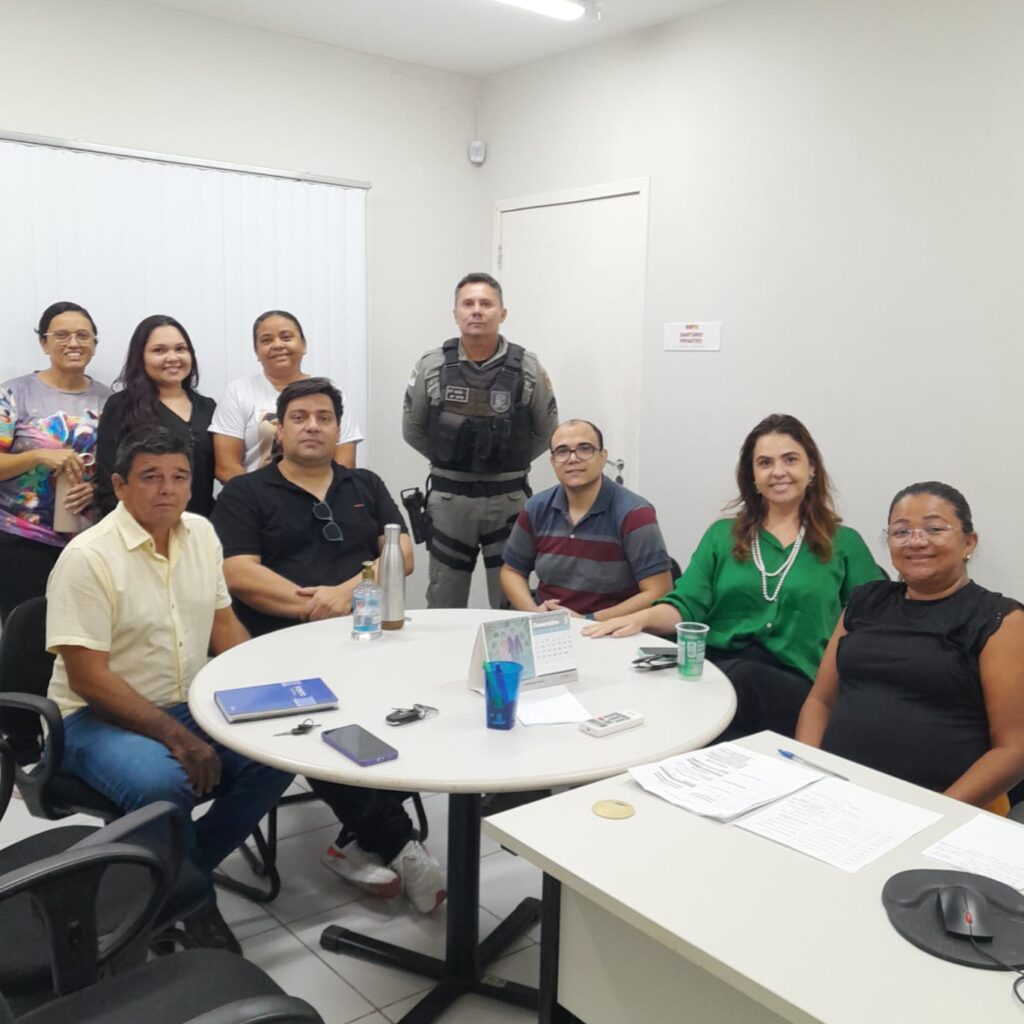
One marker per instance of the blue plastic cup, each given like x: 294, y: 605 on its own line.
x: 501, y: 688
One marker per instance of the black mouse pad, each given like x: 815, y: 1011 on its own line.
x: 912, y: 903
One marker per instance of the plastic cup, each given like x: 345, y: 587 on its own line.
x: 501, y: 688
x: 691, y: 638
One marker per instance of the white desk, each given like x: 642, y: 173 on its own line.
x: 667, y: 916
x: 428, y: 661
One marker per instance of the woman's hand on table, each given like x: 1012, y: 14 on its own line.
x: 623, y: 625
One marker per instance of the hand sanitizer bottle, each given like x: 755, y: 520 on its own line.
x: 366, y: 610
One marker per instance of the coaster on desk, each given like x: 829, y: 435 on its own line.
x: 615, y: 809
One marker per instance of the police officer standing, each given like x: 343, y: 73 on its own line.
x: 481, y: 409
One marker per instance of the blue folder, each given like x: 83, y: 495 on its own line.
x: 270, y: 700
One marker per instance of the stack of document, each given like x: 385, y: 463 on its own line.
x: 987, y: 846
x: 840, y: 823
x: 837, y: 822
x: 724, y: 781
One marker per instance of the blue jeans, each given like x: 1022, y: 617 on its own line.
x: 133, y: 770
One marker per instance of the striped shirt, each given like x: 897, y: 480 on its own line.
x: 596, y: 563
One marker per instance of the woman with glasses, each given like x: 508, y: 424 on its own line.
x: 47, y: 436
x: 770, y: 582
x: 158, y: 387
x: 245, y: 422
x: 924, y: 678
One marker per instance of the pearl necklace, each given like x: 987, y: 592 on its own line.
x: 783, y: 569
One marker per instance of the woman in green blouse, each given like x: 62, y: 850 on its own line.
x: 769, y: 583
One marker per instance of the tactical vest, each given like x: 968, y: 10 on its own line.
x: 480, y: 424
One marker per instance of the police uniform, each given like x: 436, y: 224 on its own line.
x: 480, y: 425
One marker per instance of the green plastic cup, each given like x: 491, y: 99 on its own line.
x: 691, y: 638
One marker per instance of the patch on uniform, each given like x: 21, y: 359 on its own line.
x: 501, y: 401
x: 546, y: 380
x: 454, y: 394
x: 412, y: 377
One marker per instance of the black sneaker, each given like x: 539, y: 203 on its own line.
x: 208, y: 930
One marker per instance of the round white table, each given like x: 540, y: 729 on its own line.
x: 428, y: 662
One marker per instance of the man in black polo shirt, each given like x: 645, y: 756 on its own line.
x: 295, y: 535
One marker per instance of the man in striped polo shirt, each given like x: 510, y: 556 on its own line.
x: 596, y: 547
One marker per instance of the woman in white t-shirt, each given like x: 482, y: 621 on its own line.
x: 244, y: 424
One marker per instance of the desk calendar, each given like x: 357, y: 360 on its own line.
x: 542, y: 643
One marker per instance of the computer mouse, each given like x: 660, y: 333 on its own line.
x: 965, y: 911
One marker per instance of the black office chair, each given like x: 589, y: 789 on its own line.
x: 25, y: 973
x: 96, y: 974
x: 25, y: 668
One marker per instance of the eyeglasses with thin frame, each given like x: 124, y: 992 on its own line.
x: 584, y: 452
x: 900, y: 536
x: 63, y: 337
x: 331, y: 531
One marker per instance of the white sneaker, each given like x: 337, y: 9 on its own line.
x: 365, y: 870
x: 422, y: 877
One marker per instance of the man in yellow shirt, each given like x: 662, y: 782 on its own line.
x: 133, y: 607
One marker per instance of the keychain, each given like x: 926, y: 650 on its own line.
x: 306, y: 725
x: 403, y: 716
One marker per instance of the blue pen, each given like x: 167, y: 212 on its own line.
x: 790, y: 756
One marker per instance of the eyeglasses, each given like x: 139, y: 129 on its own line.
x: 900, y: 536
x: 63, y: 337
x: 332, y: 531
x: 584, y: 452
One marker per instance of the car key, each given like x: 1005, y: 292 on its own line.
x: 305, y: 726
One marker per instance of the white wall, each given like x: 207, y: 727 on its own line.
x: 839, y: 182
x: 140, y: 77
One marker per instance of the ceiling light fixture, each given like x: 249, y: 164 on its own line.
x: 564, y: 10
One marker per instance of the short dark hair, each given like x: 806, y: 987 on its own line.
x: 305, y: 388
x: 62, y: 307
x: 275, y: 312
x: 593, y: 426
x: 149, y: 440
x: 943, y: 491
x: 479, y: 277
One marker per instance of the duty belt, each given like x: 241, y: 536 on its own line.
x: 477, y: 488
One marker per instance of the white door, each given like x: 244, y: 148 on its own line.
x: 573, y: 267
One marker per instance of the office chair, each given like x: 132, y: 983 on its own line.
x: 25, y: 973
x: 25, y: 668
x: 94, y: 954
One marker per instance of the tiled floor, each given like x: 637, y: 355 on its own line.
x: 283, y: 937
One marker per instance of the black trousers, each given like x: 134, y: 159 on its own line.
x: 26, y: 568
x: 375, y: 818
x: 769, y: 695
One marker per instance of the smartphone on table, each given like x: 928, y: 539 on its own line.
x: 359, y: 745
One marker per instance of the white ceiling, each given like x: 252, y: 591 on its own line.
x: 473, y: 37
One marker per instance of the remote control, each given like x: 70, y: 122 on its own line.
x: 615, y: 722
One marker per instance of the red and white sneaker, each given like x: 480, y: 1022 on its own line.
x: 422, y: 877
x: 362, y: 869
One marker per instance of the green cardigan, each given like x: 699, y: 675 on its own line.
x: 726, y: 594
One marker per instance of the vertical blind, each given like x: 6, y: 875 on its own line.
x: 128, y: 237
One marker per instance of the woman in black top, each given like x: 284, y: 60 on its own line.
x: 924, y: 678
x: 158, y: 381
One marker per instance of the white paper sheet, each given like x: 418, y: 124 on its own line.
x: 987, y: 846
x: 723, y: 781
x: 839, y: 823
x: 553, y: 705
